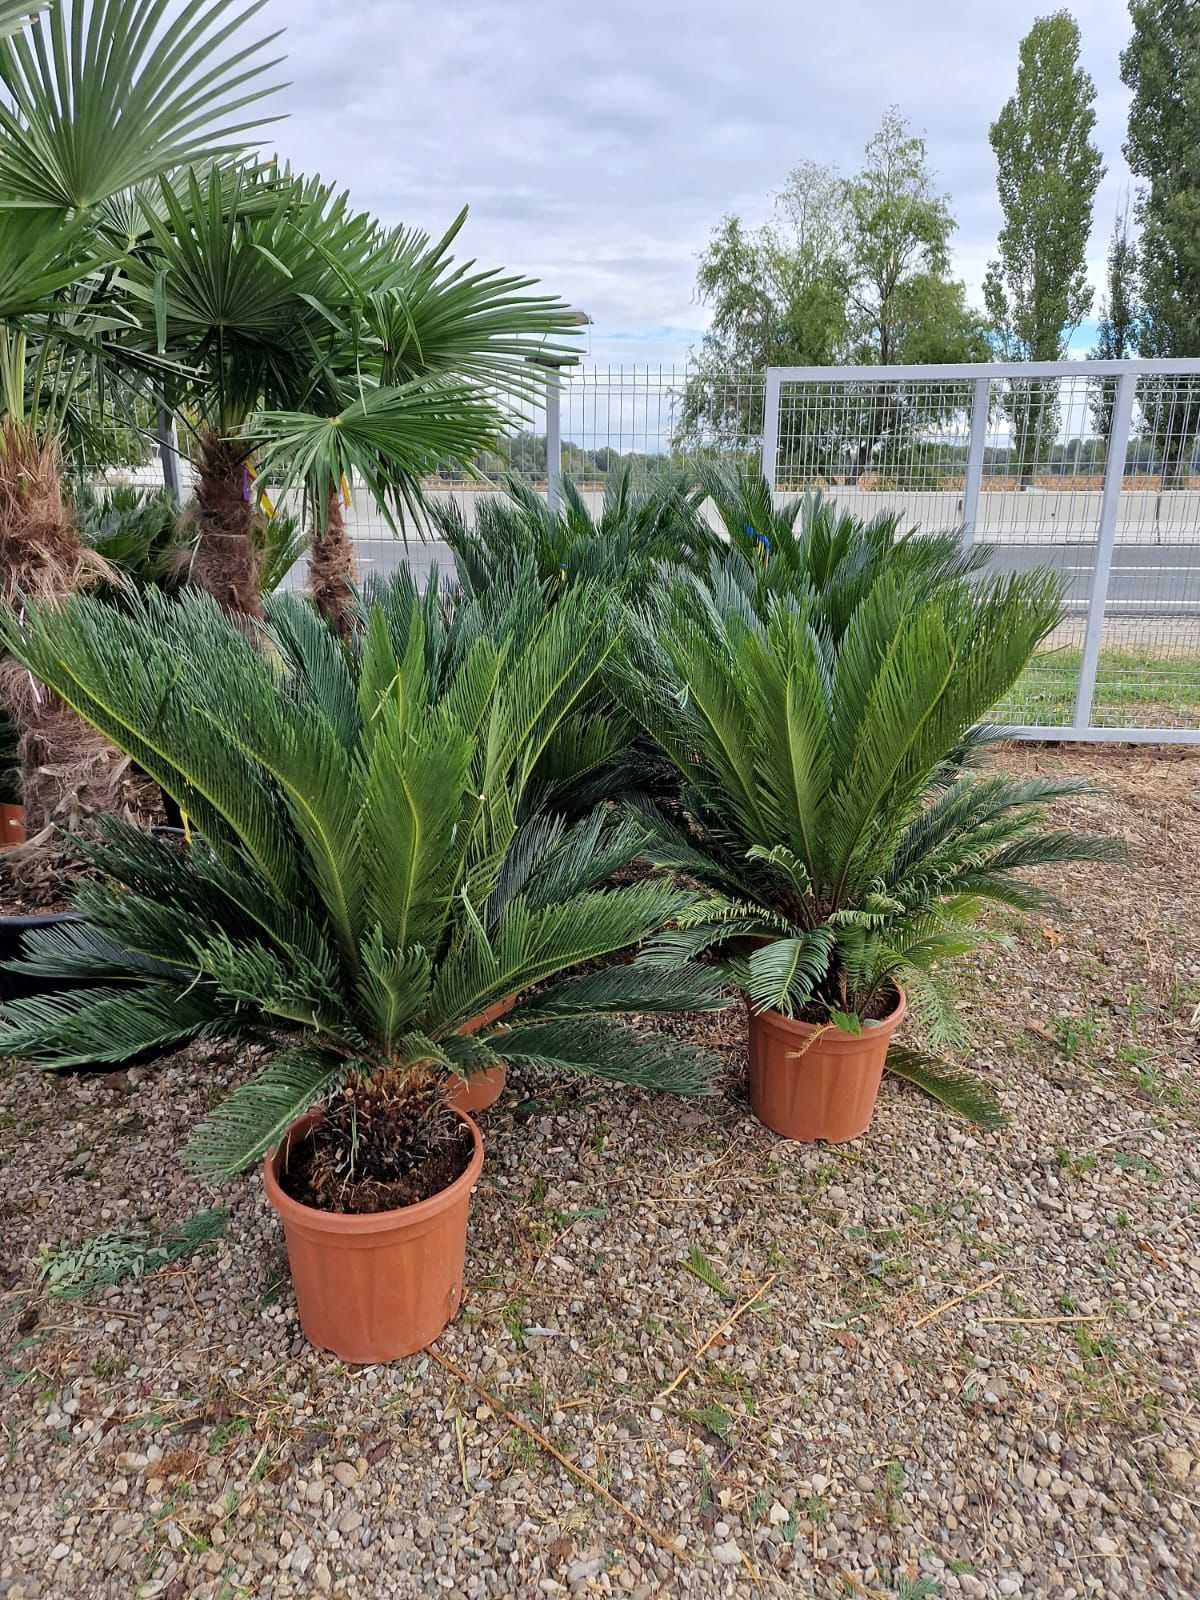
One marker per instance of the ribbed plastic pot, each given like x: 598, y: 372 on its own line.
x: 809, y: 1082
x: 12, y: 825
x: 379, y: 1286
x: 481, y: 1090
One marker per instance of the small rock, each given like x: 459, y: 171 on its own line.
x: 60, y: 1551
x: 1179, y: 1465
x: 1104, y: 1545
x: 324, y: 1577
x: 729, y: 1555
x: 777, y: 1515
x: 677, y: 1458
x: 581, y: 1571
x: 345, y: 1474
x: 349, y: 1521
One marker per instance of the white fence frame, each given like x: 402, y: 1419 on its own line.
x: 983, y: 374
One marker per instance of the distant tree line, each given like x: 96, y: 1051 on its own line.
x: 857, y: 271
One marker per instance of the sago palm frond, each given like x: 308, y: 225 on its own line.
x: 359, y: 885
x: 953, y: 1088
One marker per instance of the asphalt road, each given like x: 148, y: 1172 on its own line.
x: 1146, y: 580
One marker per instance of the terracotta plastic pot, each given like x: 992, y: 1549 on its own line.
x: 809, y: 1082
x: 382, y: 1285
x: 12, y: 825
x: 481, y: 1090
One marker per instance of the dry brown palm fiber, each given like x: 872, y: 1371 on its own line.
x: 331, y: 571
x: 224, y: 561
x: 41, y: 554
x: 69, y: 772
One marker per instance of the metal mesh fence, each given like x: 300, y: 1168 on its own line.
x: 1019, y: 459
x: 1022, y: 461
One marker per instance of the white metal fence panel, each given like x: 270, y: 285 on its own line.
x: 1086, y: 467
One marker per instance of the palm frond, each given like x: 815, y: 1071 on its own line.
x: 105, y: 94
x: 256, y: 1116
x: 958, y: 1091
x: 605, y: 1049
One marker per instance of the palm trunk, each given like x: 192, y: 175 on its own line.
x: 225, y: 561
x: 68, y: 772
x: 331, y: 569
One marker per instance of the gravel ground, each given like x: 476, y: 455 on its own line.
x: 971, y: 1368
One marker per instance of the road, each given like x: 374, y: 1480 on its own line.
x: 1147, y: 580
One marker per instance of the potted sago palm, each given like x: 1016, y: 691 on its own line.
x: 356, y: 897
x: 830, y: 811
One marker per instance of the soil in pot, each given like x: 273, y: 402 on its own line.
x: 376, y: 1284
x: 811, y: 1081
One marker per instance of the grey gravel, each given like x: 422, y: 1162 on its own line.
x: 839, y: 1439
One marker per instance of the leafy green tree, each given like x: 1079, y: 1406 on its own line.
x: 846, y: 271
x: 1161, y: 66
x: 1048, y: 170
x: 779, y: 297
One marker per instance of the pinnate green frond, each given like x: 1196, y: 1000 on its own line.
x: 79, y: 1026
x: 635, y: 986
x: 604, y: 1049
x: 957, y: 1090
x: 256, y: 1116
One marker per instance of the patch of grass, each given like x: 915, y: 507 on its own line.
x: 1134, y: 1161
x: 715, y: 1419
x: 1072, y: 1035
x: 1045, y: 691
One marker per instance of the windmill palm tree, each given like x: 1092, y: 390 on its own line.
x: 361, y: 888
x: 97, y: 98
x: 324, y: 349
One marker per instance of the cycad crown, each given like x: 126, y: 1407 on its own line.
x: 360, y: 887
x: 827, y: 809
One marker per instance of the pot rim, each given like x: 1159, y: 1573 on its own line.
x: 359, y: 1223
x: 830, y: 1032
x: 489, y: 1014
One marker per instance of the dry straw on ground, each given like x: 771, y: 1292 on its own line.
x: 974, y: 1362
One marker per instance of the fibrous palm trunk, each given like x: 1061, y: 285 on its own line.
x: 331, y: 570
x: 225, y: 560
x: 67, y: 770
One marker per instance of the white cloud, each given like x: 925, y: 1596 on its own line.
x: 598, y: 147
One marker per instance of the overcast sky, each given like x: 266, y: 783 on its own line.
x: 598, y: 144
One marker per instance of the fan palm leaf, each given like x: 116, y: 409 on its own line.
x: 105, y: 94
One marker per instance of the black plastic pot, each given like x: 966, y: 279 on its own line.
x: 16, y: 985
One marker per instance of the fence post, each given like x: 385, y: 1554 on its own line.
x: 770, y: 438
x: 553, y: 437
x: 981, y: 399
x: 1114, y: 470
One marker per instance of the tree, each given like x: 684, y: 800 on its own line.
x: 1161, y: 66
x: 903, y: 308
x: 779, y: 298
x: 1048, y: 169
x: 846, y: 271
x: 1117, y: 333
